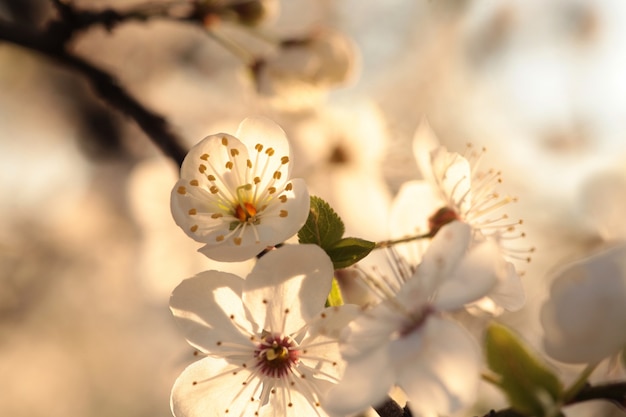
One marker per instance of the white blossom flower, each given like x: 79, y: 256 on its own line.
x: 455, y: 188
x: 271, y: 347
x: 302, y: 70
x: 235, y: 194
x: 408, y: 340
x: 585, y: 316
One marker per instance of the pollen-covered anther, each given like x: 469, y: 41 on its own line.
x: 211, y: 177
x: 283, y: 198
x: 229, y: 165
x: 219, y: 238
x: 284, y: 160
x: 271, y: 190
x: 283, y: 213
x: 194, y: 228
x: 258, y: 147
x: 194, y: 183
x: 269, y: 151
x: 245, y: 212
x: 249, y: 163
x: 204, y: 156
x: 277, y: 175
x: 214, y: 189
x: 181, y: 190
x: 202, y: 168
x: 216, y: 215
x: 257, y: 180
x: 237, y: 241
x: 224, y: 141
x: 234, y: 152
x: 289, y: 187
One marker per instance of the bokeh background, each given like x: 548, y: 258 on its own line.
x: 88, y: 250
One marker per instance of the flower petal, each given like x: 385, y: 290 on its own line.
x: 203, y: 307
x: 283, y: 220
x: 209, y: 387
x: 366, y: 381
x: 585, y: 316
x: 257, y: 130
x: 288, y: 286
x: 438, y: 263
x: 478, y: 273
x: 438, y: 367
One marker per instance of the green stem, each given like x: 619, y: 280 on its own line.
x: 388, y: 243
x: 579, y: 384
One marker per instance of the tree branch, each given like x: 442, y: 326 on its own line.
x: 105, y: 85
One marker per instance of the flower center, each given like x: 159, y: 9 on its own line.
x: 245, y: 212
x: 440, y: 218
x: 276, y: 355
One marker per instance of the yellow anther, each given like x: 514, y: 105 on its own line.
x: 204, y: 156
x: 181, y: 190
x: 289, y: 187
x: 257, y: 180
x: 229, y: 165
x: 194, y: 228
x: 192, y: 212
x: 269, y: 151
x: 202, y: 168
x: 219, y: 238
x: 284, y: 160
x: 214, y: 189
x: 237, y: 241
x: 258, y: 147
x: 211, y: 177
x: 271, y: 190
x: 234, y: 152
x: 277, y: 175
x: 249, y: 163
x: 216, y: 215
x: 195, y: 183
x: 224, y: 141
x: 283, y: 213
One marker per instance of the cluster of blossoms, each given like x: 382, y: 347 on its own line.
x: 274, y: 345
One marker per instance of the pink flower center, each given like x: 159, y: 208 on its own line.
x: 276, y: 355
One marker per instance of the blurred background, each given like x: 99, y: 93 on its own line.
x: 89, y: 252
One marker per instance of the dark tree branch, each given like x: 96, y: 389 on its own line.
x: 105, y: 85
x: 390, y: 408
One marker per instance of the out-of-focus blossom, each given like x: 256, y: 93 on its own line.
x: 271, y: 347
x: 406, y: 340
x: 603, y: 202
x: 455, y: 188
x: 302, y: 70
x: 584, y: 319
x: 235, y: 193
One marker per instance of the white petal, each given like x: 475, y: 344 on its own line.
x: 288, y: 287
x: 424, y: 142
x: 333, y: 320
x: 585, y: 317
x: 438, y: 263
x: 365, y: 382
x: 203, y: 305
x: 438, y: 367
x: 414, y: 204
x: 475, y: 277
x: 228, y: 251
x: 261, y: 130
x: 370, y: 330
x: 275, y: 228
x: 214, y: 153
x: 218, y: 387
x: 509, y: 293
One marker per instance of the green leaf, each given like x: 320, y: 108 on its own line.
x: 348, y: 251
x: 530, y: 386
x: 334, y: 297
x: 323, y: 226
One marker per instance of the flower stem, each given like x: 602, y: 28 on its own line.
x: 579, y: 384
x: 388, y: 243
